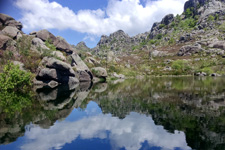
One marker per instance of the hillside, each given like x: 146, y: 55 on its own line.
x: 186, y: 44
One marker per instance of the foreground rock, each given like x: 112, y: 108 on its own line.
x: 52, y: 69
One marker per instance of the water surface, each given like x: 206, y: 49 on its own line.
x: 177, y: 113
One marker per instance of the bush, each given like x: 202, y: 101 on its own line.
x: 14, y: 79
x: 161, y: 26
x: 49, y: 45
x: 188, y: 23
x: 24, y: 45
x: 181, y: 66
x: 159, y: 36
x: 189, y: 12
x: 211, y: 18
x: 207, y: 70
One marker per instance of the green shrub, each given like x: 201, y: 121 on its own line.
x: 159, y: 36
x: 14, y: 79
x: 161, y: 26
x: 172, y: 41
x: 24, y: 45
x: 181, y: 66
x: 152, y: 41
x: 189, y: 12
x: 211, y: 18
x: 207, y: 70
x: 188, y: 23
x: 50, y: 46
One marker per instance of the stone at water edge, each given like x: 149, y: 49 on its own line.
x: 99, y: 72
x: 120, y: 76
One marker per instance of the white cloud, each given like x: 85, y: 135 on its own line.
x: 128, y: 15
x: 128, y: 133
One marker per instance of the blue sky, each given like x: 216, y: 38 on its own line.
x: 87, y: 20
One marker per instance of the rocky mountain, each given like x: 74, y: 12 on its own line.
x: 119, y: 42
x: 81, y: 46
x: 201, y: 19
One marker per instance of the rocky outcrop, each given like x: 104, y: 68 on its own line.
x: 5, y: 42
x: 82, y: 69
x: 11, y: 31
x: 116, y: 42
x: 190, y: 49
x: 204, y: 7
x: 6, y: 20
x: 52, y: 69
x: 61, y: 44
x: 45, y: 35
x: 81, y: 46
x: 38, y: 45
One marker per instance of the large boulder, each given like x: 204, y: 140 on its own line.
x: 10, y: 31
x: 6, y: 20
x: 4, y: 41
x: 59, y: 65
x: 14, y: 23
x: 61, y: 44
x: 45, y: 35
x: 82, y: 69
x: 52, y: 69
x: 59, y: 55
x: 38, y: 45
x: 48, y: 74
x: 84, y: 76
x: 78, y: 63
x: 99, y: 72
x: 190, y: 49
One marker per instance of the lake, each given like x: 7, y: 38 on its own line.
x: 160, y: 113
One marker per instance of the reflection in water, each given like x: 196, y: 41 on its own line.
x: 129, y: 133
x: 183, y: 112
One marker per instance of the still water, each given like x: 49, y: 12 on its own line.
x: 177, y: 113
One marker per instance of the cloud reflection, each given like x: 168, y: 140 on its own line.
x: 129, y: 133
